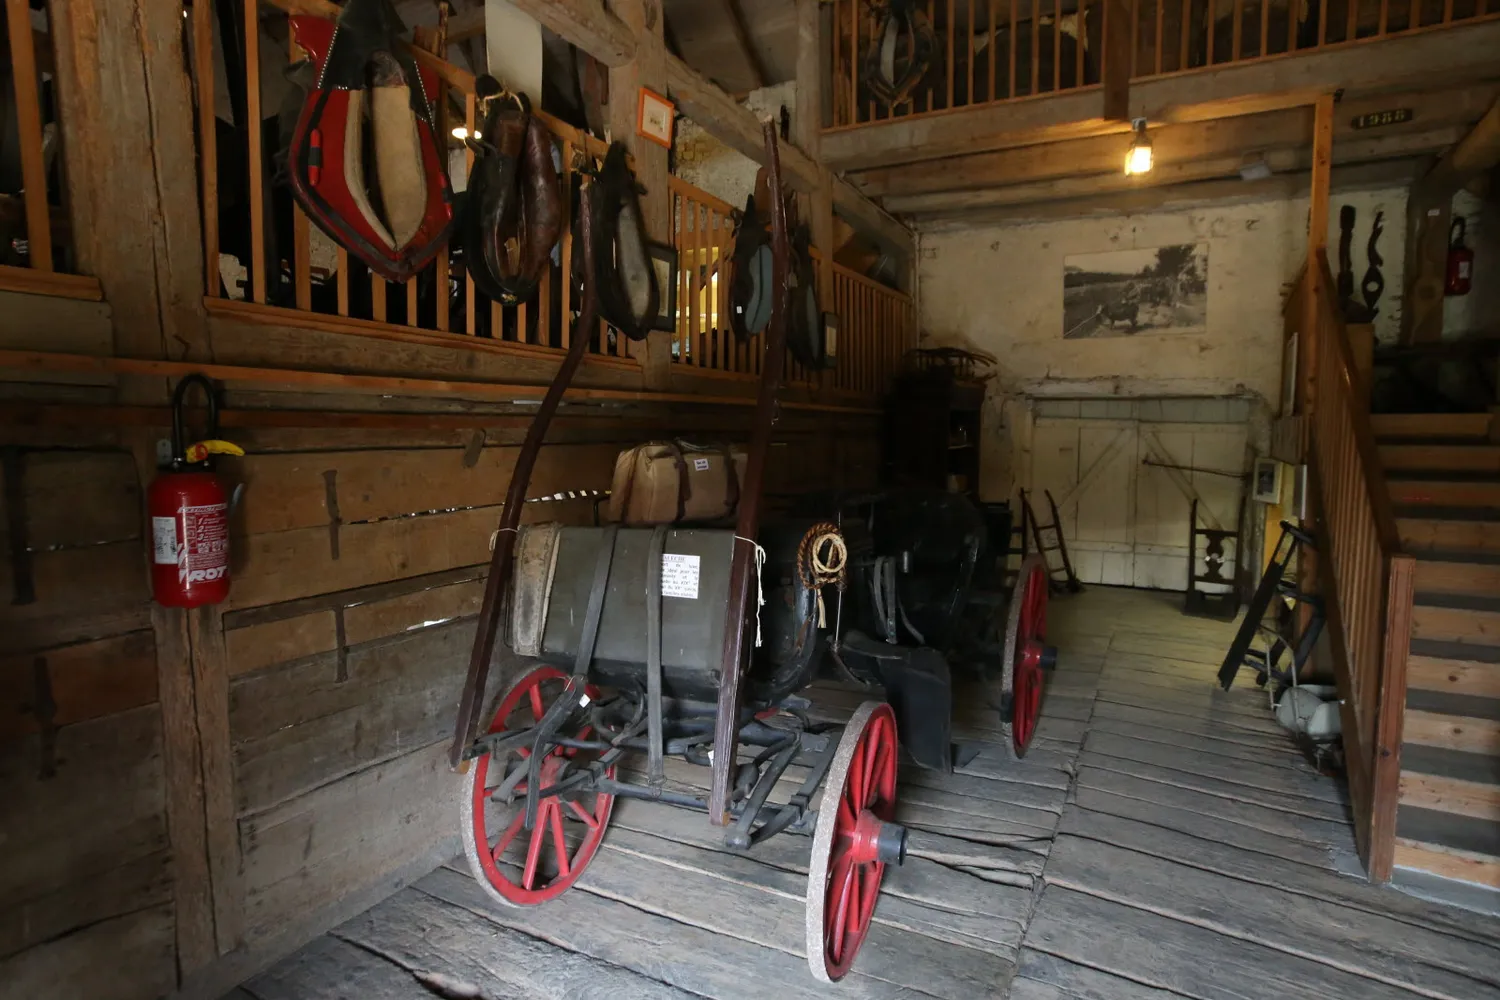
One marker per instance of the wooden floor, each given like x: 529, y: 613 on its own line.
x: 1162, y: 839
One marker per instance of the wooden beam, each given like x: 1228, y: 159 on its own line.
x: 1454, y: 55
x: 1179, y: 167
x: 731, y: 11
x: 1470, y: 157
x: 1179, y: 197
x: 1433, y: 111
x: 587, y: 25
x: 466, y: 25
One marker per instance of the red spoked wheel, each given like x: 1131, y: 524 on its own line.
x: 853, y: 841
x: 1026, y: 656
x: 515, y: 866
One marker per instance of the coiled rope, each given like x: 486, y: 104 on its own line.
x: 823, y: 559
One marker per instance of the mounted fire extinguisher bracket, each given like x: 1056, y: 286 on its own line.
x: 1460, y: 276
x: 190, y: 513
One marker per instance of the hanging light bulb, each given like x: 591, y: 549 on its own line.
x: 1138, y: 156
x: 461, y: 133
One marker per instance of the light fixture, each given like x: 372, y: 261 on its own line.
x: 461, y: 133
x: 1138, y: 157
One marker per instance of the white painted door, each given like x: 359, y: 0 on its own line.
x: 1124, y: 490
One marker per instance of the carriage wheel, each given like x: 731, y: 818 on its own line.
x: 1026, y: 655
x: 853, y: 841
x: 517, y: 867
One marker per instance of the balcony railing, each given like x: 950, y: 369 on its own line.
x: 265, y: 260
x: 991, y: 51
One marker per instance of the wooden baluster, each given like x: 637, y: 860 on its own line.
x: 377, y: 298
x: 1015, y: 6
x: 565, y: 256
x: 1161, y: 19
x: 1385, y: 15
x: 1322, y: 22
x: 1236, y: 41
x: 208, y: 146
x: 854, y: 61
x: 471, y: 308
x: 969, y: 52
x: 1080, y: 20
x: 950, y: 29
x: 442, y: 266
x: 343, y: 281
x: 679, y: 335
x: 252, y: 126
x: 1209, y: 11
x: 1056, y: 45
x: 1291, y: 24
x: 1447, y: 11
x: 409, y: 290
x: 1036, y: 47
x: 301, y: 227
x: 1263, y: 43
x: 989, y: 45
x: 720, y: 288
x: 28, y: 119
x: 1187, y: 22
x: 1351, y: 28
x: 1135, y: 38
x: 695, y: 287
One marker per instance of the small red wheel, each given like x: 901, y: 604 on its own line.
x: 843, y: 881
x: 515, y: 867
x: 1025, y: 655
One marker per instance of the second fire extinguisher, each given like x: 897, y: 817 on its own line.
x: 189, y: 511
x: 1460, y: 276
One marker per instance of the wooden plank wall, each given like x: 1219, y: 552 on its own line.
x: 86, y: 881
x: 314, y: 705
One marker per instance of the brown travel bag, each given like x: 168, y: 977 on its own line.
x: 673, y: 482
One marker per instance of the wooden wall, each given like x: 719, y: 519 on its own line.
x: 319, y: 698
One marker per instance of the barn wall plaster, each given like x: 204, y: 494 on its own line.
x: 999, y: 289
x: 726, y: 173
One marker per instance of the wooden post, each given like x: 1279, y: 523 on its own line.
x: 1385, y: 784
x: 808, y: 123
x: 1317, y: 242
x: 647, y: 69
x: 29, y: 131
x: 1118, y: 24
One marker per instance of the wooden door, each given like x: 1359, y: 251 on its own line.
x: 1180, y: 463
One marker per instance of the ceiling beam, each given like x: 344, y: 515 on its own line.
x: 1293, y: 158
x: 1430, y: 111
x: 731, y: 11
x: 587, y: 25
x: 1469, y: 159
x: 1178, y: 197
x: 1454, y: 55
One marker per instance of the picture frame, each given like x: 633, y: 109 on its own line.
x: 664, y: 266
x: 655, y: 118
x: 1265, y: 481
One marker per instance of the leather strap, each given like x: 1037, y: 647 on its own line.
x: 684, y: 489
x: 595, y: 610
x: 655, y: 762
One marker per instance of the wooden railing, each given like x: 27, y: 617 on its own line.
x: 877, y: 324
x: 999, y: 50
x: 1362, y: 573
x: 36, y: 246
x: 292, y: 275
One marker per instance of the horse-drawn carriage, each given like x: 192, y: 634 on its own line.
x: 694, y: 643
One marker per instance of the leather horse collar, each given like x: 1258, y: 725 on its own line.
x: 512, y: 214
x: 396, y: 220
x: 752, y: 293
x: 899, y: 17
x: 628, y: 296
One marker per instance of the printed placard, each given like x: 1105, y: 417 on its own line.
x: 679, y: 575
x: 700, y: 464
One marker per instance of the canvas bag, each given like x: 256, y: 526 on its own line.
x: 671, y: 482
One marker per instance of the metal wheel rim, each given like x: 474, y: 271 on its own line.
x: 1026, y: 619
x: 867, y: 747
x: 556, y: 819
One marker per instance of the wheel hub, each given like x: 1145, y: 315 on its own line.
x: 876, y: 840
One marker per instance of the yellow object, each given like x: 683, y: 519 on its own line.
x: 1138, y: 157
x: 200, y: 450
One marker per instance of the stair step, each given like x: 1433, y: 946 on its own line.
x: 1467, y: 866
x: 1449, y: 529
x: 1449, y: 573
x: 1429, y: 457
x: 1431, y: 425
x: 1451, y: 732
x: 1448, y: 624
x: 1440, y: 793
x: 1465, y: 678
x: 1445, y: 490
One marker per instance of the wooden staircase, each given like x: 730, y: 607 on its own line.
x: 1444, y: 476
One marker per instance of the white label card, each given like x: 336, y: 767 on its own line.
x: 700, y: 464
x: 679, y: 575
x: 164, y: 540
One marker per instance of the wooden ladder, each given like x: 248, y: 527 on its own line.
x: 1069, y: 579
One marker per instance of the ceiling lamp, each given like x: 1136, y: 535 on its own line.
x: 1138, y: 157
x: 461, y: 133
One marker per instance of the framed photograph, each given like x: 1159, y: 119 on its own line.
x: 656, y: 117
x: 1126, y: 293
x: 1265, y: 484
x: 664, y: 265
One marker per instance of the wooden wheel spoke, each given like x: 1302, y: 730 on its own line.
x: 588, y: 818
x: 537, y: 710
x: 840, y: 905
x: 533, y: 852
x: 508, y: 836
x: 559, y: 844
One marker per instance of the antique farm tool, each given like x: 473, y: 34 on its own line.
x: 393, y: 212
x: 901, y: 26
x: 502, y: 559
x: 1059, y: 544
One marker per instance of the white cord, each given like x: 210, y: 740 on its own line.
x: 760, y: 596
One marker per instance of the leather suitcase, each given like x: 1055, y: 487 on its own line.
x: 673, y: 482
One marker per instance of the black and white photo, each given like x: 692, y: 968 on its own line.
x: 1122, y: 293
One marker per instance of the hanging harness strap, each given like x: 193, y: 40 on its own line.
x: 655, y: 764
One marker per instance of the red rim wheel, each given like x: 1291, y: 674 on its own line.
x: 515, y: 866
x: 1024, y: 654
x: 843, y: 882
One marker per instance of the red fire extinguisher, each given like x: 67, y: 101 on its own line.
x: 190, y: 514
x: 1460, y: 261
